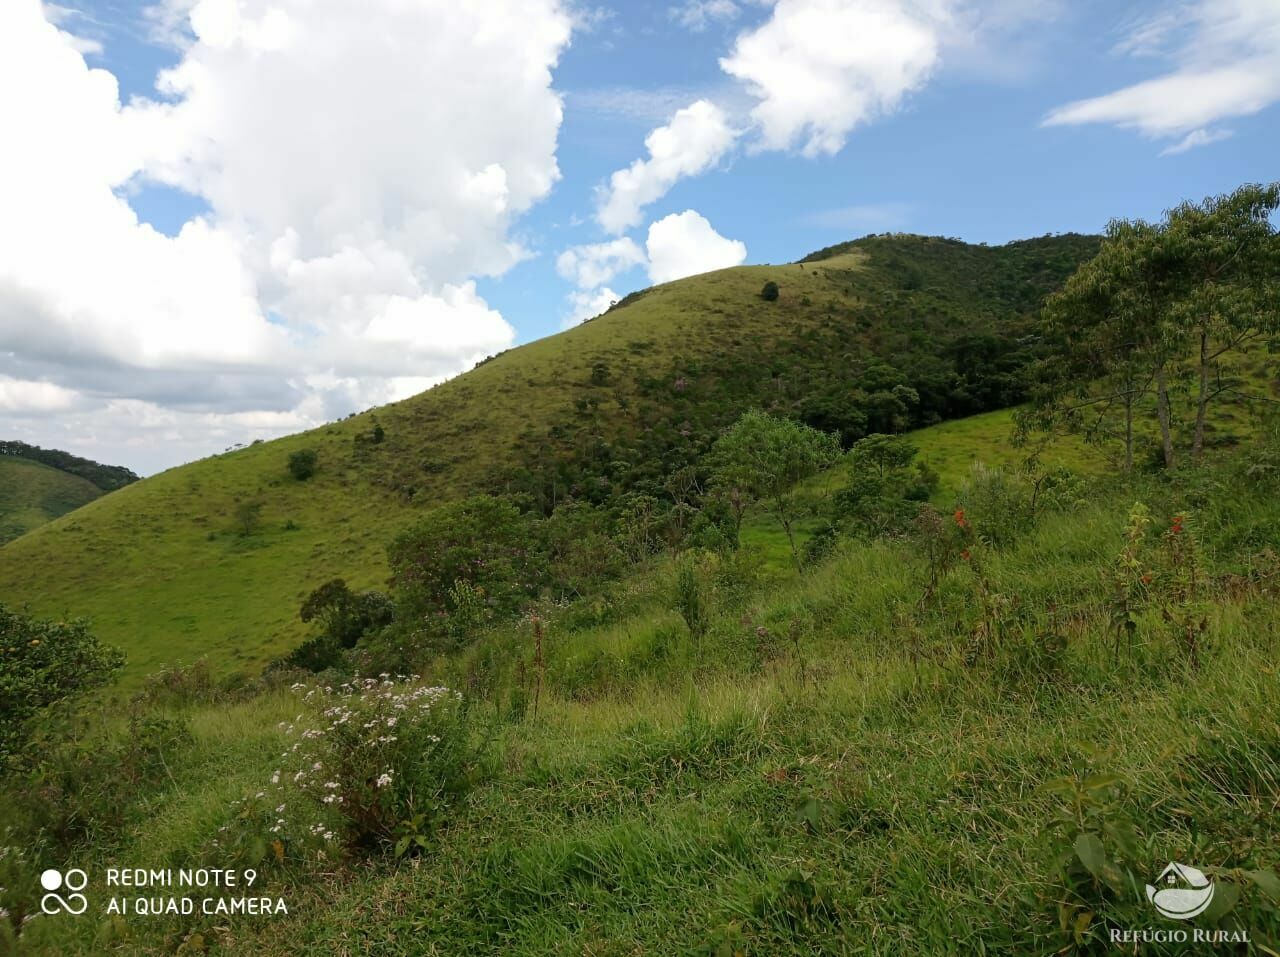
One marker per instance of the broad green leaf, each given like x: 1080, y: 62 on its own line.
x: 1266, y: 881
x: 1089, y: 849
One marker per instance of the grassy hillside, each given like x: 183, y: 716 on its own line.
x: 164, y: 567
x: 32, y: 494
x: 838, y: 767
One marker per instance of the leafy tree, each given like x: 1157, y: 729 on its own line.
x: 582, y: 548
x: 1231, y: 292
x: 843, y: 413
x: 770, y: 291
x: 1204, y: 280
x: 883, y: 454
x: 1105, y: 354
x: 763, y: 458
x: 248, y: 516
x: 346, y: 615
x: 1113, y: 337
x: 885, y: 487
x: 302, y: 464
x: 484, y: 541
x: 43, y: 663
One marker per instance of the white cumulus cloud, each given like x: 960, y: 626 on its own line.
x: 598, y: 263
x: 685, y: 244
x: 588, y: 303
x: 1225, y: 63
x: 360, y: 165
x: 818, y: 68
x: 694, y: 140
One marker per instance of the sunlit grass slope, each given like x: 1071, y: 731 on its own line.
x: 163, y: 570
x: 864, y: 789
x: 32, y: 494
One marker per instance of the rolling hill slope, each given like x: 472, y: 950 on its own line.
x: 32, y: 494
x: 213, y: 558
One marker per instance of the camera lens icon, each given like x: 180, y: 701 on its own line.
x: 74, y: 881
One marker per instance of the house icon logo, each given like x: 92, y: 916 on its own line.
x: 1181, y: 892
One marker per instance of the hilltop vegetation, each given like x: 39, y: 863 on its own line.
x: 214, y: 558
x: 106, y: 477
x: 38, y: 485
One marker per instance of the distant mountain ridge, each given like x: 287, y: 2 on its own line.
x: 106, y: 477
x: 39, y: 485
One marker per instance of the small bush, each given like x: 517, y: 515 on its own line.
x: 41, y: 663
x: 820, y: 545
x: 484, y: 541
x: 998, y: 502
x: 770, y: 291
x: 181, y: 684
x: 248, y: 518
x: 84, y: 789
x: 302, y: 464
x: 690, y: 599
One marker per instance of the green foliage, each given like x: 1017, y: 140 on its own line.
x: 345, y: 617
x: 185, y: 685
x: 885, y: 487
x: 44, y: 664
x: 248, y: 517
x: 769, y: 293
x: 584, y: 548
x: 83, y: 786
x: 303, y: 463
x: 1202, y: 282
x: 485, y: 542
x: 762, y: 458
x: 690, y: 599
x: 467, y: 609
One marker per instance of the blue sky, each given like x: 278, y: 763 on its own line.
x: 967, y: 156
x: 302, y: 188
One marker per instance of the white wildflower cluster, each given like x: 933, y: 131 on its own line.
x: 348, y: 767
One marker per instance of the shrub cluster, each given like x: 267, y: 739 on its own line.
x: 43, y: 662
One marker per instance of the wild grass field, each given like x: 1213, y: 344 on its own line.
x: 833, y: 767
